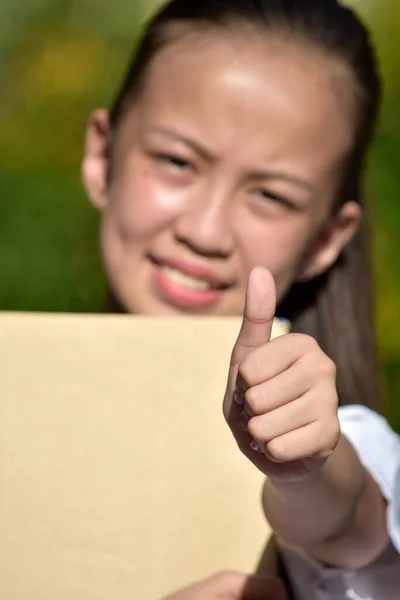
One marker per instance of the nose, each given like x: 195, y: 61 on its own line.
x: 205, y: 224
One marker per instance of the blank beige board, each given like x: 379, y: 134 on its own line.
x: 119, y: 478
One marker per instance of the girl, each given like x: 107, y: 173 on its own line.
x: 238, y: 139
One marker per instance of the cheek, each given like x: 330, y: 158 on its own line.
x: 278, y: 244
x: 140, y: 206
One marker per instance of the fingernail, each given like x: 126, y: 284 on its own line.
x: 270, y: 457
x: 248, y: 413
x: 244, y: 426
x: 257, y: 446
x: 241, y: 385
x: 238, y: 398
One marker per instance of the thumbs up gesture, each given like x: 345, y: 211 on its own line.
x: 281, y: 400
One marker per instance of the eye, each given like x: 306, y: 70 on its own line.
x: 177, y: 162
x: 272, y: 197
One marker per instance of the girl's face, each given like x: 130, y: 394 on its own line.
x: 229, y: 159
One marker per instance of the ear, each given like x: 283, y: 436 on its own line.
x: 330, y: 242
x: 95, y: 163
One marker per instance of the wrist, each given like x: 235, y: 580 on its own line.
x: 320, y: 506
x: 305, y: 472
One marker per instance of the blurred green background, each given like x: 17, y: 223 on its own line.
x: 59, y: 59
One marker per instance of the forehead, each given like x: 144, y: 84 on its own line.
x: 275, y: 96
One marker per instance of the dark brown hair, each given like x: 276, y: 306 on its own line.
x: 336, y: 308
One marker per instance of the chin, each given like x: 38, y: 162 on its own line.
x: 144, y: 306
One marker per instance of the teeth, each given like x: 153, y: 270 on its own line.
x: 192, y: 283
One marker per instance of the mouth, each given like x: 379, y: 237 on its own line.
x: 187, y: 285
x: 180, y: 278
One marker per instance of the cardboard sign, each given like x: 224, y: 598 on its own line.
x: 119, y: 478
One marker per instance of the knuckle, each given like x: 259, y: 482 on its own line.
x: 330, y: 433
x: 306, y: 342
x: 321, y: 365
x: 327, y: 366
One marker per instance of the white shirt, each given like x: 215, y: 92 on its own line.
x: 378, y: 447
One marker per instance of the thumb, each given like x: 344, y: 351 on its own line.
x: 258, y: 314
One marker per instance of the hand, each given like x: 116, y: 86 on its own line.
x: 233, y: 586
x: 281, y: 400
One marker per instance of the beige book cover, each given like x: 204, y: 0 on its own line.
x: 119, y: 478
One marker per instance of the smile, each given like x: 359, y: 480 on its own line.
x: 191, y: 283
x: 185, y: 285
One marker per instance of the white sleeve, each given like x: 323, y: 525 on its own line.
x: 378, y: 448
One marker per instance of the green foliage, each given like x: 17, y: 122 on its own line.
x: 58, y: 60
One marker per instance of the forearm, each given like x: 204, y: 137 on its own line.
x: 336, y: 515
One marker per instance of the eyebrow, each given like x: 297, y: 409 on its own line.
x: 281, y: 176
x: 199, y: 148
x: 210, y: 156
